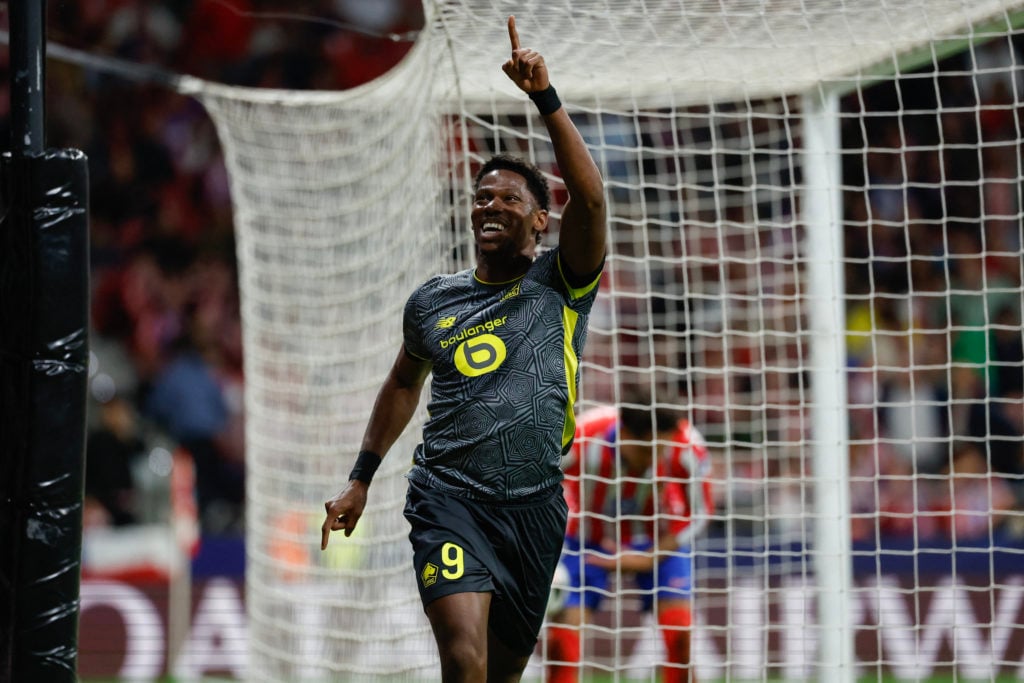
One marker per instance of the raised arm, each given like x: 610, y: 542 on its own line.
x: 396, y: 402
x: 582, y: 232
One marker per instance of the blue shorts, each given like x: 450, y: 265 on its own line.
x: 588, y: 585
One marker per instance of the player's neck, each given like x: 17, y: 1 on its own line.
x: 498, y: 268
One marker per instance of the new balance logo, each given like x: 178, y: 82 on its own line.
x: 445, y: 323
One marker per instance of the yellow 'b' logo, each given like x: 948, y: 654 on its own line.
x: 480, y: 355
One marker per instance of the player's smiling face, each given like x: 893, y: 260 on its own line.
x: 505, y: 213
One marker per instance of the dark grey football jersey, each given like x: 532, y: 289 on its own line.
x: 505, y: 372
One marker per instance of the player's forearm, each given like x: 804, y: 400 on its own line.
x: 582, y: 231
x: 577, y: 167
x: 581, y: 234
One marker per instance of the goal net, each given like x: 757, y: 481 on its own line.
x: 815, y: 251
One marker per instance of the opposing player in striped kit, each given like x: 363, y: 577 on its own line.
x: 637, y: 482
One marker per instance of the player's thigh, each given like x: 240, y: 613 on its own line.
x: 459, y: 618
x: 504, y: 663
x: 529, y: 543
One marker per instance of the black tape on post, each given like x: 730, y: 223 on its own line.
x: 44, y: 356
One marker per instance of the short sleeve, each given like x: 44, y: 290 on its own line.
x: 412, y: 334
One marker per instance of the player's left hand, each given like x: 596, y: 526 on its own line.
x: 526, y: 67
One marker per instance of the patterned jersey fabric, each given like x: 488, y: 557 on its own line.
x: 505, y: 370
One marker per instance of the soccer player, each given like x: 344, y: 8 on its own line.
x: 637, y: 482
x: 503, y: 342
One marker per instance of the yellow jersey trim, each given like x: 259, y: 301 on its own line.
x: 569, y: 320
x: 574, y: 292
x: 497, y: 284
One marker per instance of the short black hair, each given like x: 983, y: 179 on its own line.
x: 535, y: 180
x: 638, y: 413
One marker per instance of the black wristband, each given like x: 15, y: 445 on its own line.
x: 546, y: 100
x: 366, y: 466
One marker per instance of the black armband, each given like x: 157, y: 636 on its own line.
x: 366, y: 466
x: 546, y: 100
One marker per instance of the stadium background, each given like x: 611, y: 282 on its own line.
x: 165, y: 285
x: 165, y: 308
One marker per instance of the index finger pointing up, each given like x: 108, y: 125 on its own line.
x: 513, y: 35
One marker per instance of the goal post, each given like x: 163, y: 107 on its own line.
x: 771, y: 220
x: 822, y: 216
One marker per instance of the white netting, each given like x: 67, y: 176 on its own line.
x: 741, y: 235
x: 705, y: 50
x: 339, y: 206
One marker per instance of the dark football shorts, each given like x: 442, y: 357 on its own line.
x: 510, y: 550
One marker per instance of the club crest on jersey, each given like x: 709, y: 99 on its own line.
x: 512, y: 292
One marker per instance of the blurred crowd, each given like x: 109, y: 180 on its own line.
x: 932, y: 242
x: 166, y: 340
x: 932, y: 246
x: 936, y: 358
